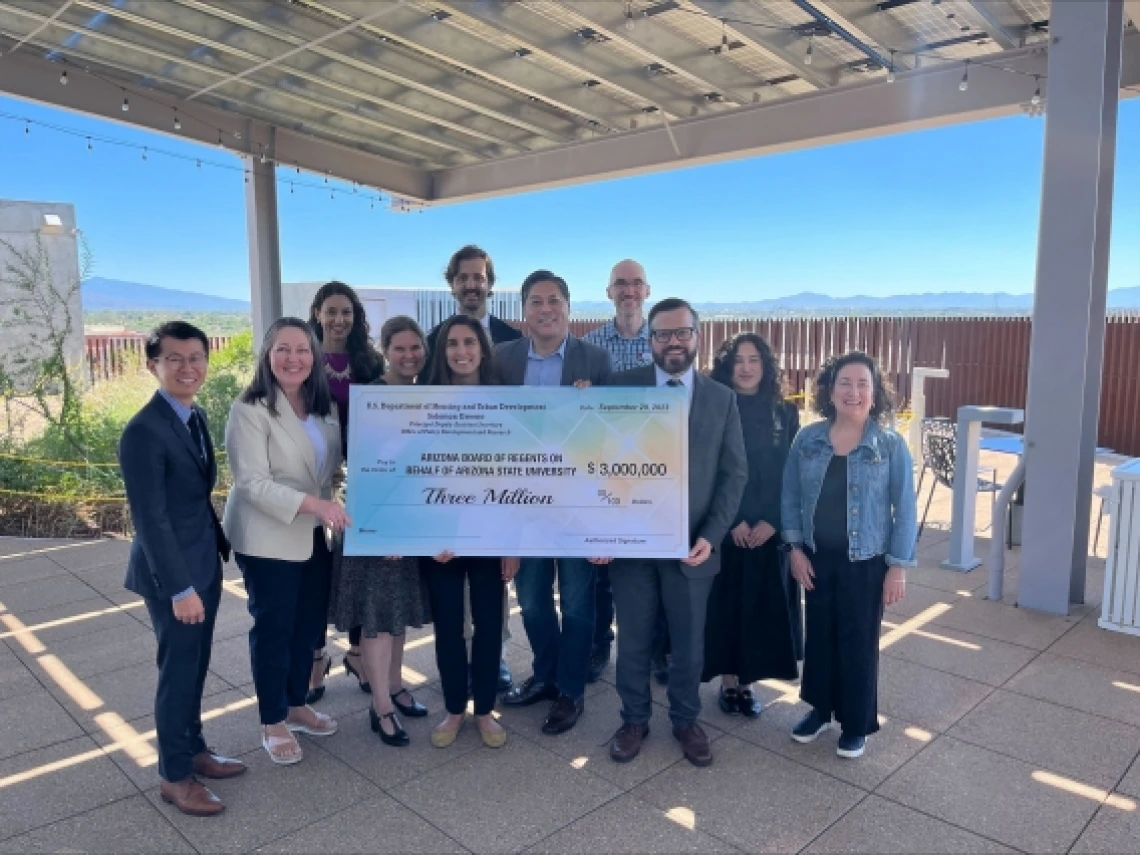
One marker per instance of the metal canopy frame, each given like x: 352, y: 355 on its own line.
x: 443, y: 101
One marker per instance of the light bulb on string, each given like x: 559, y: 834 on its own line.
x: 89, y: 144
x: 807, y: 56
x: 199, y: 163
x: 126, y: 105
x: 63, y: 78
x: 27, y: 128
x: 221, y: 144
x: 1036, y: 99
x: 144, y: 153
x: 891, y: 70
x: 965, y: 84
x: 177, y: 122
x: 290, y: 188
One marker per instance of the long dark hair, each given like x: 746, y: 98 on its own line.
x: 771, y: 383
x: 365, y: 360
x: 883, y: 404
x: 440, y: 371
x: 263, y: 386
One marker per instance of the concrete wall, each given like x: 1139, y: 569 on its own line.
x: 20, y: 224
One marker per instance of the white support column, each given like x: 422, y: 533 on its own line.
x: 1067, y: 349
x: 263, y: 237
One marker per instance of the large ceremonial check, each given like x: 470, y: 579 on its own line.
x: 516, y: 470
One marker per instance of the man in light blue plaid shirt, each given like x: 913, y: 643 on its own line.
x: 626, y: 337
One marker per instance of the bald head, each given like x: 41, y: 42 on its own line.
x: 628, y: 288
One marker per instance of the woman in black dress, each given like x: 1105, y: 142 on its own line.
x: 750, y: 629
x: 384, y: 595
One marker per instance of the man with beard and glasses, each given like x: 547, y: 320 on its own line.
x: 718, y: 472
x: 470, y: 275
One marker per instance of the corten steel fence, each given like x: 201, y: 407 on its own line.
x: 988, y: 359
x: 110, y: 356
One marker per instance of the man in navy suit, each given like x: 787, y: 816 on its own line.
x: 168, y: 466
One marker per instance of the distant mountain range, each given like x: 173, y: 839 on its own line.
x: 101, y: 295
x: 111, y: 294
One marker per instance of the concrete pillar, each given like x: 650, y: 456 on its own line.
x: 264, y: 240
x: 1067, y: 349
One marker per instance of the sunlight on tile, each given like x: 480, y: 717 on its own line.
x: 933, y: 636
x: 236, y: 589
x: 20, y: 632
x: 964, y: 593
x: 134, y: 744
x: 31, y: 552
x: 413, y: 676
x: 919, y: 734
x: 908, y: 626
x: 48, y: 768
x: 791, y: 694
x: 1126, y: 686
x: 72, y: 686
x: 51, y: 624
x: 579, y: 762
x: 1084, y: 790
x: 683, y: 816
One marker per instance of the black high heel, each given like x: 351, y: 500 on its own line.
x: 413, y: 710
x: 316, y: 694
x: 399, y: 739
x: 365, y: 686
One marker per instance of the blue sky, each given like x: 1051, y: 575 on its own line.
x: 953, y: 209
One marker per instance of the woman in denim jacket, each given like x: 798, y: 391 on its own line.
x: 848, y: 520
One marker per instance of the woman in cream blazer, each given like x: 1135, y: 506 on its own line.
x: 283, y: 443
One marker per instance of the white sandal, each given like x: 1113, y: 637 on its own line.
x: 325, y: 725
x: 274, y: 744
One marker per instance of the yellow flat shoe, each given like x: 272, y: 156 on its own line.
x: 493, y: 739
x: 444, y: 738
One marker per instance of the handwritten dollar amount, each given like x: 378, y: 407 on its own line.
x: 627, y: 470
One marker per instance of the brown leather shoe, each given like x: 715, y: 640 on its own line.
x: 211, y: 765
x: 626, y: 743
x: 694, y: 743
x: 564, y: 714
x: 191, y: 797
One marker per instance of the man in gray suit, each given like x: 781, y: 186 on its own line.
x: 718, y: 472
x: 550, y: 356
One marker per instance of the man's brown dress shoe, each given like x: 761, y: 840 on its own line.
x: 564, y: 714
x: 694, y: 743
x: 191, y: 797
x: 627, y: 741
x: 211, y: 765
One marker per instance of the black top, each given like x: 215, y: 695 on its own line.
x: 768, y: 434
x: 831, y: 510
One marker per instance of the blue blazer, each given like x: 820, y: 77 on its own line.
x: 178, y: 537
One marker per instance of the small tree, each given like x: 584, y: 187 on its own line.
x: 39, y: 377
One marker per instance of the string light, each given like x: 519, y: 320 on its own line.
x: 1036, y: 99
x: 89, y: 148
x: 126, y: 105
x: 221, y: 144
x: 27, y: 128
x: 144, y: 154
x: 891, y: 70
x: 807, y: 56
x: 63, y: 78
x: 177, y: 122
x: 965, y: 83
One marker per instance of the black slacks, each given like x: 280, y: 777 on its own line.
x: 183, y: 660
x: 445, y: 589
x: 841, y: 656
x: 289, y: 602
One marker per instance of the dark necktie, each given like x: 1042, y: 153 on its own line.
x: 195, y: 426
x: 673, y: 381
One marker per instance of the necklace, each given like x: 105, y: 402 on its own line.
x: 340, y: 376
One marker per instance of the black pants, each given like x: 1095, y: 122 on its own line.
x: 445, y: 589
x: 841, y: 657
x: 183, y: 660
x: 288, y: 601
x: 603, y: 610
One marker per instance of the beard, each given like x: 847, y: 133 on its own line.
x: 673, y: 361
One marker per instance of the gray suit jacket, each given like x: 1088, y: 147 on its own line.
x: 718, y: 466
x: 581, y: 361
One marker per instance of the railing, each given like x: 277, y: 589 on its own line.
x: 988, y: 358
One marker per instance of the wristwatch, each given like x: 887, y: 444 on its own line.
x: 790, y: 547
